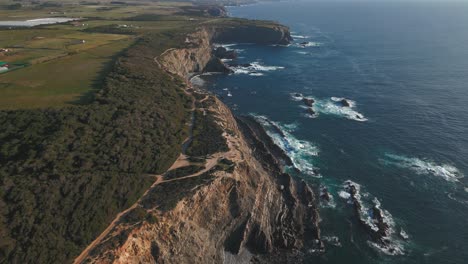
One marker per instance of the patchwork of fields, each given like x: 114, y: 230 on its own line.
x: 64, y: 64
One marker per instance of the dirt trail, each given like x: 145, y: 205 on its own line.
x: 210, y: 163
x: 84, y: 253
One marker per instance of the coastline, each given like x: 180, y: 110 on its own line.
x: 268, y: 214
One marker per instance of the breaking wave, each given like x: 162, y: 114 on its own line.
x: 254, y: 69
x: 424, y: 167
x: 301, y: 152
x: 308, y: 44
x: 299, y: 37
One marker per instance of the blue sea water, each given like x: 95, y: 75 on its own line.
x: 404, y: 140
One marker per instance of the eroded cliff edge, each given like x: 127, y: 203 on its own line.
x: 239, y: 206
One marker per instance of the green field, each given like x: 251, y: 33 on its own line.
x: 66, y: 63
x: 60, y: 81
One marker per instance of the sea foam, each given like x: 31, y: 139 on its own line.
x: 392, y: 241
x: 254, y: 69
x: 424, y: 167
x: 301, y: 152
x: 332, y: 106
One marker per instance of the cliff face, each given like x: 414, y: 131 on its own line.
x: 252, y: 212
x: 197, y: 55
x: 272, y: 34
x: 247, y: 211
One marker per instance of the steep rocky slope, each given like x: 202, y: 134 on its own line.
x: 248, y: 210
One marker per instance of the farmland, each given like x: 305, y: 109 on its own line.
x: 64, y: 64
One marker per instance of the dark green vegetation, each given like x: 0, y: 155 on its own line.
x: 65, y: 173
x: 207, y: 136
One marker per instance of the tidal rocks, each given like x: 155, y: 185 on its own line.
x: 325, y: 195
x: 376, y: 221
x: 345, y: 103
x: 223, y: 53
x: 310, y: 111
x: 216, y: 65
x: 308, y: 101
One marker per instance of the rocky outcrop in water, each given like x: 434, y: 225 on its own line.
x: 223, y: 53
x: 345, y: 103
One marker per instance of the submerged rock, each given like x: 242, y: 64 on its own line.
x: 310, y: 111
x: 308, y: 101
x: 325, y: 195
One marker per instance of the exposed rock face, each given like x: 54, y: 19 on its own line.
x: 191, y: 59
x: 223, y: 53
x: 199, y: 52
x: 251, y: 213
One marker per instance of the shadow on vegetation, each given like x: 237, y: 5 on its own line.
x: 89, y: 96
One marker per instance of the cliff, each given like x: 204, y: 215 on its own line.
x: 239, y: 207
x: 197, y: 55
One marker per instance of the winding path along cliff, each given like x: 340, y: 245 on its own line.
x: 240, y: 208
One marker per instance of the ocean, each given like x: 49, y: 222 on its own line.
x: 403, y: 141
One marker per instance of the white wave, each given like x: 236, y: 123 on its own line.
x: 308, y: 44
x: 302, y: 52
x: 226, y: 46
x: 339, y: 99
x: 332, y: 240
x: 296, y: 96
x: 254, y: 68
x: 331, y: 107
x: 256, y: 74
x: 450, y: 196
x: 403, y: 234
x: 425, y: 167
x: 393, y: 249
x: 301, y: 152
x: 344, y: 195
x: 300, y: 37
x: 210, y: 73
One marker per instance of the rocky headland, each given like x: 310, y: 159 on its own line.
x: 241, y: 206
